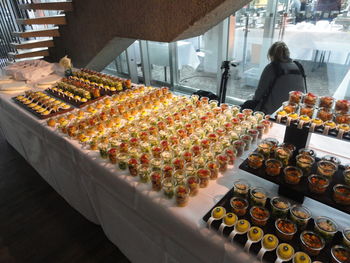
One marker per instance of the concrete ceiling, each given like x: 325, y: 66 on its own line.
x: 98, y: 31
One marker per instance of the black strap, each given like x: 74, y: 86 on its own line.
x: 280, y: 72
x: 302, y: 71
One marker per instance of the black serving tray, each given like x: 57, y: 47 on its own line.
x: 38, y: 115
x: 77, y: 104
x: 333, y: 133
x: 298, y: 191
x: 269, y: 228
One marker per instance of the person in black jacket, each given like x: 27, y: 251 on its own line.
x: 278, y: 78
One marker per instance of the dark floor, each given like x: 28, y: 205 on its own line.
x: 37, y: 225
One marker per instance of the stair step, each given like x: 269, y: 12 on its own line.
x: 24, y: 59
x: 27, y: 53
x: 47, y: 32
x: 33, y: 44
x: 65, y: 6
x: 55, y: 20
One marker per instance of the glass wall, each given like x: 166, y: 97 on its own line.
x: 316, y: 32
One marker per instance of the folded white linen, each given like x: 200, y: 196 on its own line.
x: 14, y: 86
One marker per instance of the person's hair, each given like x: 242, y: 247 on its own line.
x: 279, y: 52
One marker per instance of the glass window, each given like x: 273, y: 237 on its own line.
x: 316, y: 32
x: 198, y: 61
x: 158, y: 53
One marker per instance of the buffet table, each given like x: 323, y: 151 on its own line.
x: 144, y: 225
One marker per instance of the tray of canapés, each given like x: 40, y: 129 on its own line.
x: 324, y: 180
x: 41, y: 105
x: 75, y: 93
x: 276, y: 231
x: 323, y: 115
x: 107, y: 84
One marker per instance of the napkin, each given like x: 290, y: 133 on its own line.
x: 13, y: 86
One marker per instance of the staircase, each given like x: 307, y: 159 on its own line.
x: 38, y: 32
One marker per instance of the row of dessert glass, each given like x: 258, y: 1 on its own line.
x: 287, y: 221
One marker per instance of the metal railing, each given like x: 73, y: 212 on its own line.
x: 9, y: 12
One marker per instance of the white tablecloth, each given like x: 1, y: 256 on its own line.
x: 144, y: 225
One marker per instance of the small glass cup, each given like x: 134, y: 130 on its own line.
x: 300, y: 215
x: 182, y: 195
x: 346, y: 237
x: 325, y: 227
x: 222, y: 161
x: 326, y: 102
x: 304, y: 162
x: 264, y: 148
x: 279, y: 207
x: 259, y: 215
x: 231, y: 154
x: 285, y: 229
x: 247, y: 139
x: 346, y: 175
x: 342, y: 106
x: 310, y: 99
x: 311, y: 243
x: 295, y: 97
x: 255, y: 160
x: 325, y: 114
x: 156, y: 179
x: 289, y: 107
x: 341, y: 194
x: 317, y: 183
x: 283, y: 154
x: 241, y: 188
x: 258, y: 196
x: 179, y: 177
x: 193, y: 184
x: 133, y: 165
x: 168, y: 185
x: 306, y: 151
x: 267, y: 125
x: 239, y: 205
x: 261, y: 130
x: 213, y: 167
x: 326, y: 169
x: 273, y: 167
x: 204, y: 177
x: 254, y: 134
x: 292, y: 175
x: 307, y: 110
x: 190, y: 169
x: 144, y: 172
x: 239, y: 145
x: 340, y: 254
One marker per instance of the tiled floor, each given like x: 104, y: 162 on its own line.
x: 37, y: 225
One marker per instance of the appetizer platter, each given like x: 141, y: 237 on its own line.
x: 74, y: 92
x: 107, y: 84
x: 324, y: 180
x: 41, y: 105
x: 276, y: 231
x: 323, y: 115
x: 177, y: 144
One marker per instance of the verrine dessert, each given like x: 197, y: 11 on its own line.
x: 317, y: 183
x: 273, y: 167
x: 311, y: 243
x: 285, y: 229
